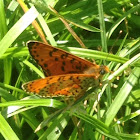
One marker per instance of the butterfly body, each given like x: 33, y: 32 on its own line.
x: 68, y: 75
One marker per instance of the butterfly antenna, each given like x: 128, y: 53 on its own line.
x: 120, y: 33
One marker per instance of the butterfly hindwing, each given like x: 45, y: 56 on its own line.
x: 63, y: 85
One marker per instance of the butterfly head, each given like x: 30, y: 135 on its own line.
x: 103, y: 70
x: 97, y: 70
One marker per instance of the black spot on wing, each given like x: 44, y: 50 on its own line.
x: 50, y: 53
x: 47, y: 72
x: 78, y: 67
x: 62, y: 68
x: 56, y: 59
x: 55, y: 50
x: 72, y: 60
x: 31, y: 44
x: 64, y: 63
x: 63, y: 56
x: 45, y: 65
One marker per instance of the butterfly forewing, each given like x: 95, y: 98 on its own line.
x: 55, y: 61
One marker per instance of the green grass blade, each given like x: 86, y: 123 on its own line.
x: 116, y: 24
x: 3, y: 26
x: 34, y: 68
x: 55, y: 130
x: 102, y: 26
x: 47, y: 30
x: 17, y: 29
x: 99, y: 126
x: 38, y: 102
x: 122, y: 95
x: 6, y: 130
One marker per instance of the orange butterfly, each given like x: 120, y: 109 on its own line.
x: 67, y: 74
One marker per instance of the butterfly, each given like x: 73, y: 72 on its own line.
x: 66, y: 74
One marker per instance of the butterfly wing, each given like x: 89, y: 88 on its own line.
x: 69, y: 75
x: 55, y: 61
x: 61, y: 85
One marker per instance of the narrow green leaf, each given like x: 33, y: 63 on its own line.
x: 17, y: 29
x: 6, y: 130
x: 55, y: 130
x: 116, y: 24
x: 99, y: 126
x: 38, y: 102
x: 122, y: 95
x: 102, y: 26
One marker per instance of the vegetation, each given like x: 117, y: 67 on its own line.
x: 106, y: 31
